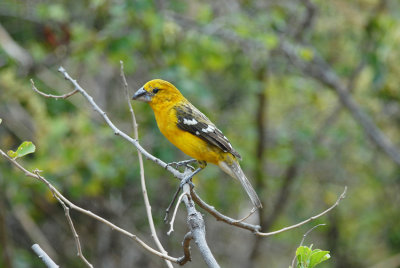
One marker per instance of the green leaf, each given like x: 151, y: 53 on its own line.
x: 303, y: 256
x: 27, y: 147
x: 318, y: 256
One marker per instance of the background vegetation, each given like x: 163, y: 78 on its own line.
x: 300, y: 146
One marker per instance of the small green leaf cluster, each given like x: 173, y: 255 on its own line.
x: 308, y: 258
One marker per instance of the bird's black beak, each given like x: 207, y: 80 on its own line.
x: 142, y: 95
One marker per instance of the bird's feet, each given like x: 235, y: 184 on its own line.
x: 187, y: 180
x: 185, y: 163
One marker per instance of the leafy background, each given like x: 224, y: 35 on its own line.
x: 300, y: 154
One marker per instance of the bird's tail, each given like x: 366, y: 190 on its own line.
x: 234, y: 170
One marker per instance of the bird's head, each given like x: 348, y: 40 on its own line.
x: 157, y: 91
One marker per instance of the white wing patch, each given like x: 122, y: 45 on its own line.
x: 208, y: 129
x: 229, y: 144
x: 190, y: 122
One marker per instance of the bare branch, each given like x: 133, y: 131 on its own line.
x: 44, y: 257
x: 142, y: 178
x: 343, y: 195
x: 87, y: 212
x: 51, y: 95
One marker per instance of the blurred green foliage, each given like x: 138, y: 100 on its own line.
x: 181, y: 42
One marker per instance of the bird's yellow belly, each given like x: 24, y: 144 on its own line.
x: 188, y: 143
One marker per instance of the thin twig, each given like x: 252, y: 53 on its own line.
x: 76, y: 236
x: 247, y: 216
x: 186, y: 249
x: 221, y: 217
x: 71, y: 225
x: 142, y: 178
x: 87, y: 212
x: 51, y: 95
x: 309, y: 231
x: 343, y: 195
x: 302, y: 240
x: 171, y: 223
x: 44, y: 257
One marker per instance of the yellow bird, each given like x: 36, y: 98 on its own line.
x: 192, y: 132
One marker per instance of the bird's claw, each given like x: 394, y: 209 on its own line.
x: 184, y: 163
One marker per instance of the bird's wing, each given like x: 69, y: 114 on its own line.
x: 192, y: 120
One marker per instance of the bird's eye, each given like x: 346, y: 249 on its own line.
x: 155, y: 90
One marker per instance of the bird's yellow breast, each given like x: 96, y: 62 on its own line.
x: 188, y: 143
